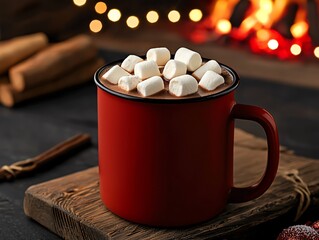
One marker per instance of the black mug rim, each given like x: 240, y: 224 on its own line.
x: 163, y: 100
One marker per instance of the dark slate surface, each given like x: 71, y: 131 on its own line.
x: 37, y: 125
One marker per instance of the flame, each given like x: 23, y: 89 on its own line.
x: 264, y: 26
x: 222, y: 9
x: 299, y: 29
x: 248, y: 23
x: 264, y: 11
x: 260, y: 16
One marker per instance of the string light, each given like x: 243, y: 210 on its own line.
x: 114, y: 15
x: 152, y: 16
x: 95, y: 26
x: 132, y: 22
x: 223, y: 26
x: 273, y: 44
x: 195, y: 15
x: 174, y: 16
x: 100, y: 7
x: 316, y: 52
x: 79, y: 3
x: 295, y: 49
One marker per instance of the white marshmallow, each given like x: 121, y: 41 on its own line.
x: 210, y: 65
x: 150, y: 86
x: 173, y: 69
x: 114, y: 74
x: 129, y: 83
x: 192, y: 59
x: 129, y: 63
x: 159, y: 55
x: 211, y: 80
x: 183, y: 85
x: 146, y: 69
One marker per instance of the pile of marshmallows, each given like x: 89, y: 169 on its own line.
x: 134, y: 73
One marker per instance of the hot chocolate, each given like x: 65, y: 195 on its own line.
x: 164, y: 94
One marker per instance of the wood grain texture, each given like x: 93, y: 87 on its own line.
x: 71, y: 206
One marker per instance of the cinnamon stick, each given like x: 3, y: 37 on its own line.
x: 52, y: 62
x: 46, y: 158
x: 16, y: 49
x: 83, y: 73
x: 4, y: 80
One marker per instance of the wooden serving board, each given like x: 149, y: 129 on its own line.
x: 71, y: 206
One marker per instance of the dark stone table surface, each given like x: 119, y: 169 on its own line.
x: 35, y: 126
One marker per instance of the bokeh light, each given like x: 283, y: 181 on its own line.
x: 152, y: 16
x: 114, y: 15
x: 295, y: 49
x: 223, y: 26
x: 132, y: 22
x: 273, y: 44
x: 100, y: 7
x: 263, y: 34
x: 95, y: 26
x: 79, y: 3
x: 195, y: 15
x: 299, y: 29
x: 174, y: 16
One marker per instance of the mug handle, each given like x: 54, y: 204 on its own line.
x: 265, y: 119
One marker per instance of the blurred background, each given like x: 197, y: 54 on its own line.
x: 286, y: 29
x: 272, y: 44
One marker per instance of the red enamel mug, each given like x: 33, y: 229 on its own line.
x: 170, y: 162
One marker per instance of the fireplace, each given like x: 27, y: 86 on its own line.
x: 286, y: 29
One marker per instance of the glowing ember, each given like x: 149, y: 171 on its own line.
x: 263, y: 35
